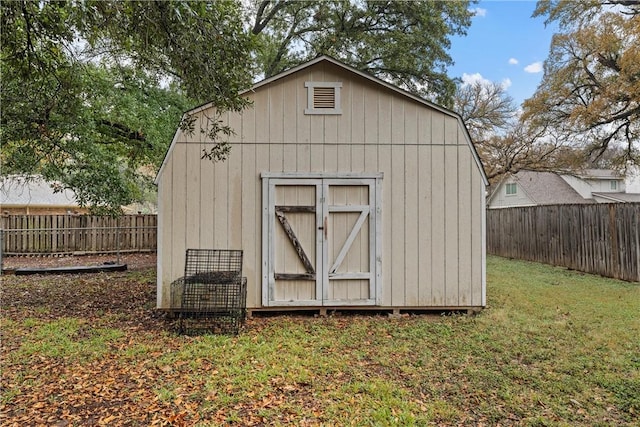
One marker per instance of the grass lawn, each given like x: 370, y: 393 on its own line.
x: 553, y: 348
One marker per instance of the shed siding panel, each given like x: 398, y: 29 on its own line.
x: 397, y: 213
x: 317, y: 158
x: 178, y: 210
x: 330, y: 158
x: 437, y: 129
x: 410, y: 123
x: 451, y: 225
x: 303, y: 121
x: 384, y: 165
x: 371, y: 116
x: 438, y: 236
x: 425, y: 209
x: 344, y: 157
x: 358, y: 115
x: 432, y: 191
x: 384, y: 118
x: 345, y: 121
x: 450, y: 130
x: 221, y: 204
x: 276, y: 113
x: 276, y: 157
x: 317, y: 129
x: 357, y: 158
x: 248, y: 120
x: 412, y: 278
x: 234, y: 198
x: 477, y: 242
x: 290, y: 109
x: 330, y: 124
x: 397, y: 120
x: 261, y: 117
x: 166, y: 248
x: 251, y: 206
x: 192, y: 194
x: 206, y: 200
x: 262, y: 164
x: 289, y: 160
x: 303, y: 159
x: 464, y: 225
x: 424, y: 126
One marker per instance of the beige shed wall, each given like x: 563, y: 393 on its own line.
x: 432, y: 197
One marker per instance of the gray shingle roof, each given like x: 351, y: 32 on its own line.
x: 33, y: 191
x: 547, y: 188
x: 620, y: 197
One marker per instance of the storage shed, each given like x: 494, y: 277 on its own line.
x: 342, y: 190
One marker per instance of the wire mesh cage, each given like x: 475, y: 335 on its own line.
x: 212, y: 293
x: 216, y: 308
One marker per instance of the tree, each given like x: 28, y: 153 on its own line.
x: 486, y: 109
x: 92, y: 91
x: 505, y: 144
x: 404, y: 43
x: 590, y: 92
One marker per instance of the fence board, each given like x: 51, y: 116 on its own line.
x: 58, y: 234
x: 600, y: 238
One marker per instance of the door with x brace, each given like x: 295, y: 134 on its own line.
x: 319, y: 242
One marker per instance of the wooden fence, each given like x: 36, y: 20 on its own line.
x: 68, y: 234
x: 600, y: 238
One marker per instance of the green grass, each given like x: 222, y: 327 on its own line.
x: 553, y: 348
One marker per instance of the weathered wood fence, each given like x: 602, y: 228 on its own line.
x: 600, y: 238
x: 67, y: 234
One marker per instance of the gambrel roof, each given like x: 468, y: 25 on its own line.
x: 361, y: 74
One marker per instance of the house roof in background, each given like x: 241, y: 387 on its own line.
x: 600, y: 174
x: 33, y: 191
x: 548, y: 188
x: 619, y: 197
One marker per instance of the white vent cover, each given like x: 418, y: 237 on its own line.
x: 323, y: 98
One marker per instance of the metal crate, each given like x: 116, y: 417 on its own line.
x: 213, y: 292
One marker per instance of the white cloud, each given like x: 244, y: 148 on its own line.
x: 535, y: 67
x: 513, y: 61
x: 469, y: 79
x: 478, y: 11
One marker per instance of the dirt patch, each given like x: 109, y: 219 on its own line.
x: 128, y: 296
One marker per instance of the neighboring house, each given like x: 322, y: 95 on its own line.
x: 530, y: 188
x: 342, y: 190
x: 33, y: 195
x: 592, y: 182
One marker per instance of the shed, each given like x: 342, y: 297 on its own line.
x: 342, y: 190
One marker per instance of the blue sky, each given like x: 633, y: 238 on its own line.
x: 504, y: 44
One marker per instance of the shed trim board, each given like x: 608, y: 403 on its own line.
x: 326, y: 267
x: 379, y: 206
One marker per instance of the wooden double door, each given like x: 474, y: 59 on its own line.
x: 320, y: 241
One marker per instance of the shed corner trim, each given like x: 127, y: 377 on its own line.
x: 367, y: 175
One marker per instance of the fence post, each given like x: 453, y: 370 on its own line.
x: 118, y: 231
x: 1, y: 250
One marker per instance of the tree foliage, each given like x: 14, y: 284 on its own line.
x: 92, y: 91
x: 404, y: 43
x: 590, y: 92
x: 486, y: 109
x: 504, y: 143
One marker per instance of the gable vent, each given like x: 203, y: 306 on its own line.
x: 323, y: 98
